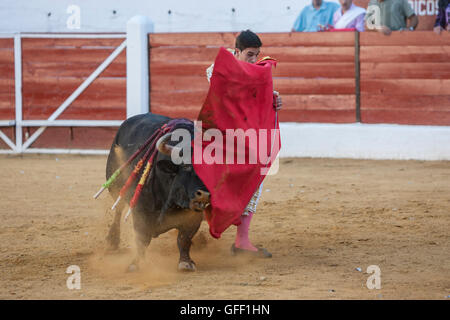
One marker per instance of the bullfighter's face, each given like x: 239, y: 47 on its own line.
x: 249, y: 55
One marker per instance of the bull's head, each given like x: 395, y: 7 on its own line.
x: 187, y: 190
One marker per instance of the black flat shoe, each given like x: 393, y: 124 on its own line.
x: 261, y: 253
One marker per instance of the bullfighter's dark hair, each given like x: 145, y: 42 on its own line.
x: 247, y: 39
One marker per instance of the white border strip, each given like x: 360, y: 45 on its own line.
x: 66, y: 36
x: 72, y: 123
x: 7, y: 123
x: 73, y: 36
x: 59, y: 151
x: 357, y: 141
x: 365, y: 141
x: 67, y: 151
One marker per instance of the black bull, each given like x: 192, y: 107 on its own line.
x: 173, y: 196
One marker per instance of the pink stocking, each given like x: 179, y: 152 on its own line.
x: 242, y: 240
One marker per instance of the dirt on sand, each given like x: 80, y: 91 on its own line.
x: 324, y: 220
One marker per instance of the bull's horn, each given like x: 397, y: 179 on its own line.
x: 163, y: 147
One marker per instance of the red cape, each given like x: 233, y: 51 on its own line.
x: 240, y: 97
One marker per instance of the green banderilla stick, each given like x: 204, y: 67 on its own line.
x: 108, y: 183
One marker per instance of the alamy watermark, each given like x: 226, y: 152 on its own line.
x: 74, y: 280
x: 374, y: 281
x: 373, y: 17
x: 234, y: 146
x: 74, y: 20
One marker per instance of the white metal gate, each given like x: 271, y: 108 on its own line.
x: 137, y: 86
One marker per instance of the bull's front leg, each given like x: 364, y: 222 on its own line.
x: 184, y: 242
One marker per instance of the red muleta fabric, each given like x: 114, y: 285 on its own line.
x: 240, y: 97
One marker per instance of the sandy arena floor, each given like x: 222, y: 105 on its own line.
x: 321, y: 218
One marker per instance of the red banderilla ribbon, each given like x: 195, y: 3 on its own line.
x: 140, y: 186
x: 119, y: 171
x: 133, y: 176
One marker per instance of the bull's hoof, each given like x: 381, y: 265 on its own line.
x: 132, y: 268
x: 186, y: 266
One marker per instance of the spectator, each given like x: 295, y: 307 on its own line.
x: 386, y: 16
x: 349, y: 16
x: 443, y: 17
x: 315, y: 16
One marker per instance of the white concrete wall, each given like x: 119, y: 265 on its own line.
x: 365, y: 141
x: 185, y: 16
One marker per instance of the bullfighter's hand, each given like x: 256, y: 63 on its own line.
x: 278, y: 103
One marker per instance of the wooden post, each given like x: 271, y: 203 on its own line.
x: 357, y: 79
x: 138, y: 100
x: 18, y: 90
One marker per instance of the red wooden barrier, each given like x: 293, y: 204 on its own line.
x: 74, y: 137
x: 52, y: 69
x: 7, y: 95
x: 405, y: 78
x: 7, y: 91
x: 315, y: 73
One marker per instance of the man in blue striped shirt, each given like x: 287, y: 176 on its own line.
x: 315, y: 16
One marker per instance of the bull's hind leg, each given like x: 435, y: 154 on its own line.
x: 184, y: 241
x: 113, y: 237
